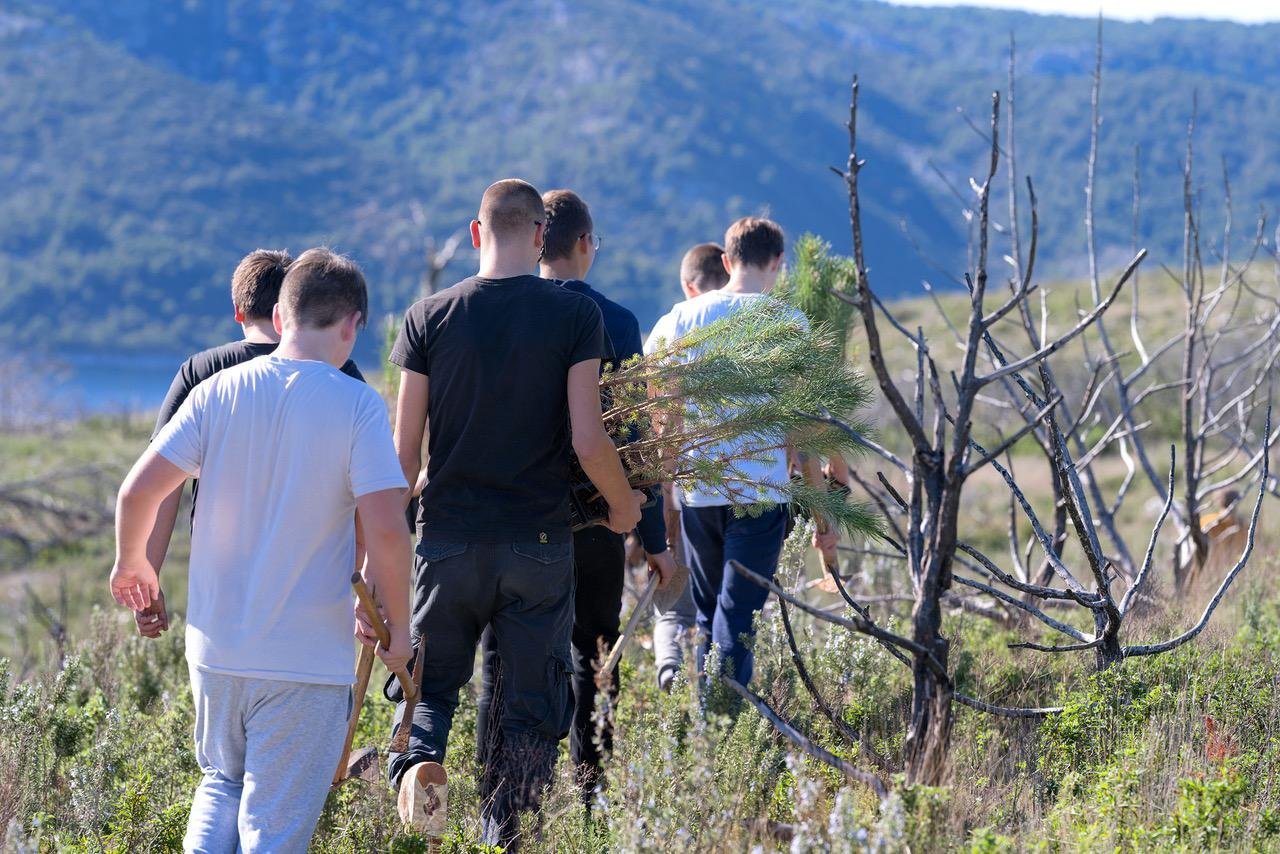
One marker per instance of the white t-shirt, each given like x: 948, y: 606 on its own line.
x: 282, y: 447
x: 764, y: 466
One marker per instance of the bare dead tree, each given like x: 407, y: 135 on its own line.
x: 437, y: 256
x: 1099, y: 582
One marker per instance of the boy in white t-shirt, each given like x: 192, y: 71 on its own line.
x: 287, y: 449
x: 714, y: 527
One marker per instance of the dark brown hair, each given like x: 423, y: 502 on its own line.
x: 510, y: 206
x: 255, y: 285
x: 568, y: 218
x: 703, y: 267
x: 753, y: 241
x: 323, y: 287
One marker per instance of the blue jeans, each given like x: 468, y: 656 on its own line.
x: 727, y: 602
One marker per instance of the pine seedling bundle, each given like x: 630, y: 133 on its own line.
x: 814, y: 281
x: 757, y: 378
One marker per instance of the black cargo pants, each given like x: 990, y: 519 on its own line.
x: 599, y: 558
x: 524, y: 591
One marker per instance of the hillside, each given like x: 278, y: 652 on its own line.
x: 147, y: 145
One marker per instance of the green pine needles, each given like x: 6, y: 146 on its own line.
x: 757, y: 379
x: 815, y: 280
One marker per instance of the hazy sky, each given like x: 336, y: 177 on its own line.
x: 1250, y: 11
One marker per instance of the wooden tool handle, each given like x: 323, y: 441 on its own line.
x: 371, y: 610
x: 380, y: 629
x: 364, y: 668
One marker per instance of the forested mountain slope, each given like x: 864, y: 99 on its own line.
x: 147, y: 145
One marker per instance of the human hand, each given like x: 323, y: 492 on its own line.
x: 826, y: 542
x: 153, y: 620
x: 134, y: 583
x: 626, y: 516
x: 364, y: 631
x: 397, y: 657
x: 662, y: 565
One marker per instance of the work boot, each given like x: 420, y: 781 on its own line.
x: 423, y: 799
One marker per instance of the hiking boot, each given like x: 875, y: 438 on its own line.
x: 423, y: 799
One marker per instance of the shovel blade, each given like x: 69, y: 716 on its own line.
x: 666, y: 598
x: 364, y: 765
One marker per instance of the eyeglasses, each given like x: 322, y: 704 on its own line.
x: 595, y: 240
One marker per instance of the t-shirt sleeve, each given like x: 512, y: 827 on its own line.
x: 410, y: 350
x: 590, y: 341
x: 181, y: 440
x: 178, y: 391
x: 374, y: 465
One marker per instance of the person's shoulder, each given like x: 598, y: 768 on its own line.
x: 569, y: 298
x: 611, y: 309
x: 202, y: 365
x: 443, y: 298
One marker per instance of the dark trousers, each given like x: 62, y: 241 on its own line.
x: 726, y: 601
x: 524, y: 592
x: 599, y: 559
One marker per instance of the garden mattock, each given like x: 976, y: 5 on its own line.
x: 664, y: 599
x: 400, y: 743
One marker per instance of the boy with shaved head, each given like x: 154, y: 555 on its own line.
x: 570, y: 250
x: 501, y: 373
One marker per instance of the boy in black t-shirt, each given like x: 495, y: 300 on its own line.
x: 255, y: 289
x: 492, y: 365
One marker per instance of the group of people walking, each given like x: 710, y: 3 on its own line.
x: 302, y: 477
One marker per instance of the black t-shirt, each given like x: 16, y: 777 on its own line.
x: 498, y: 353
x: 205, y: 364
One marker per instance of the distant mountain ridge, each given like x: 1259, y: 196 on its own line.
x: 147, y: 145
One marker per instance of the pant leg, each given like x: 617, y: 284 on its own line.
x: 669, y: 630
x: 532, y: 623
x: 599, y: 557
x: 703, y: 531
x: 294, y: 733
x: 453, y: 595
x: 756, y: 543
x: 219, y: 746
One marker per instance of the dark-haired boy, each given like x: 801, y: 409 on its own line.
x: 492, y: 365
x: 288, y: 449
x: 255, y: 288
x: 714, y: 531
x: 570, y: 246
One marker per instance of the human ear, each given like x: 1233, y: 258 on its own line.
x: 475, y: 233
x: 276, y: 322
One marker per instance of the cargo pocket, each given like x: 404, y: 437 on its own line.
x: 560, y: 697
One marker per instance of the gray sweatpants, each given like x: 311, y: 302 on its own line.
x: 268, y: 750
x: 669, y: 630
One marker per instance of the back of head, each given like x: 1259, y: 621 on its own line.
x: 753, y: 241
x: 255, y: 285
x: 567, y: 218
x: 703, y: 268
x: 321, y: 289
x: 509, y: 209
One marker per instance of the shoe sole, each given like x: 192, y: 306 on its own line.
x: 423, y: 801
